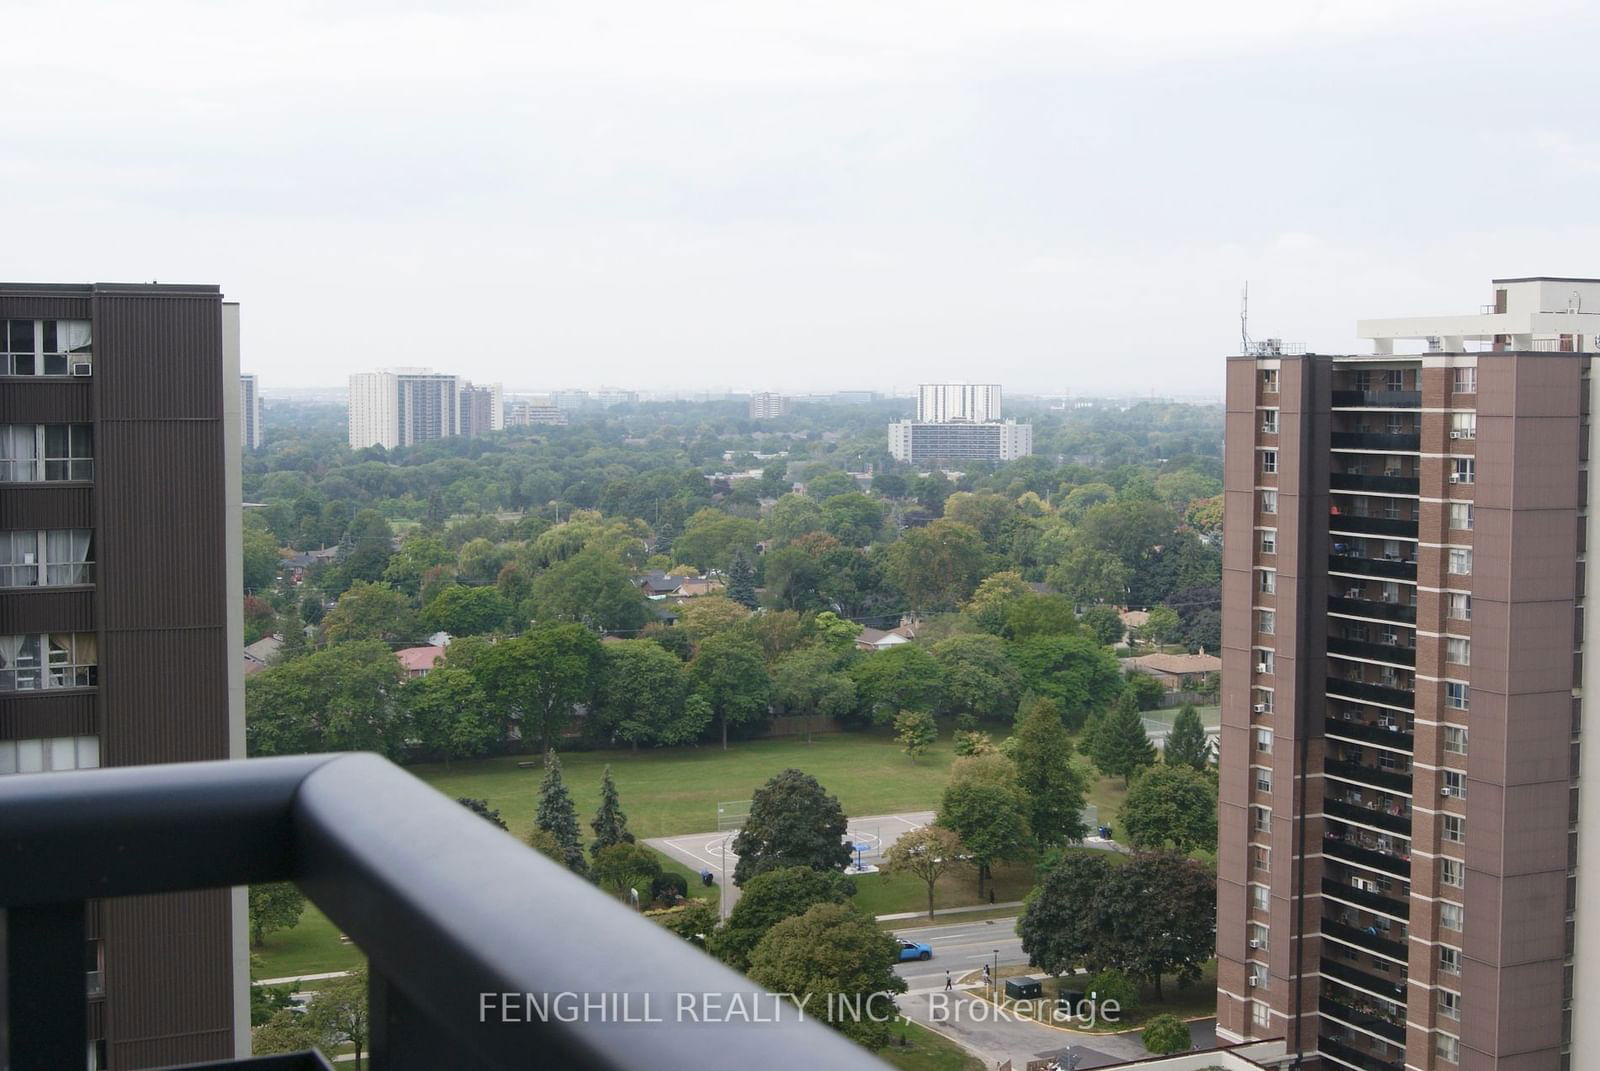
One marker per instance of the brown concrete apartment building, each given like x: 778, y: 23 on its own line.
x: 1403, y: 630
x: 120, y: 615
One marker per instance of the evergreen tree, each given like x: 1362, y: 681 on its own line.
x: 1054, y: 786
x: 610, y: 824
x: 1186, y: 743
x: 742, y: 579
x: 1120, y: 744
x: 558, y: 817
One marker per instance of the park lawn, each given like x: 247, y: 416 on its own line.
x: 880, y: 894
x: 916, y: 1048
x: 676, y: 790
x: 312, y: 947
x: 1198, y: 1001
x: 697, y: 891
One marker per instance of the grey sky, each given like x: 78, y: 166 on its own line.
x: 800, y: 196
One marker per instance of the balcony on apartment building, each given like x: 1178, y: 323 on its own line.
x: 1384, y: 474
x: 1388, y: 985
x: 1365, y: 1013
x: 1381, y: 568
x: 1396, y: 691
x: 1360, y: 889
x: 1391, y: 855
x: 438, y: 903
x: 1382, y: 388
x: 1334, y: 1046
x: 1401, y: 654
x: 1396, y: 780
x: 1370, y: 936
x: 1393, y: 818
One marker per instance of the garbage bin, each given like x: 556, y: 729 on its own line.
x: 1105, y: 832
x: 1023, y: 988
x: 706, y: 877
x: 1069, y: 999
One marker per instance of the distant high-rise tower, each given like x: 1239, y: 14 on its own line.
x: 1404, y: 646
x: 959, y: 422
x: 250, y: 432
x: 958, y: 403
x: 482, y: 409
x: 403, y: 407
x: 767, y: 406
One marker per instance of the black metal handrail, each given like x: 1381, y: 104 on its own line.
x: 1367, y: 775
x: 1354, y: 1057
x: 1388, y: 862
x: 445, y: 906
x: 1379, y: 567
x: 1398, y: 907
x: 1360, y: 481
x: 1378, y: 399
x: 1349, y: 729
x: 1390, y: 988
x: 1350, y: 812
x: 1372, y: 942
x: 1375, y: 440
x: 1371, y: 692
x: 1373, y: 608
x: 1398, y: 527
x: 1377, y: 652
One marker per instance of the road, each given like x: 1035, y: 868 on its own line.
x: 976, y: 1025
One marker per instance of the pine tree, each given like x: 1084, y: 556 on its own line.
x: 1120, y: 745
x: 610, y: 824
x: 557, y: 816
x: 1186, y: 743
x: 742, y: 580
x: 1055, y: 788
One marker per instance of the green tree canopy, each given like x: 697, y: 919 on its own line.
x: 928, y: 853
x: 645, y: 696
x: 792, y: 822
x: 979, y: 678
x: 728, y: 674
x: 988, y: 810
x: 1061, y: 926
x: 1172, y: 806
x: 464, y: 611
x: 1187, y: 744
x: 450, y: 715
x: 593, y: 589
x: 769, y: 898
x: 537, y: 680
x: 558, y: 817
x: 1055, y: 789
x: 610, y: 823
x: 906, y: 677
x: 1121, y: 747
x: 343, y: 698
x: 274, y: 906
x: 938, y: 566
x: 915, y: 732
x: 368, y: 611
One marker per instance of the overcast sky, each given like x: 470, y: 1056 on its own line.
x: 800, y: 196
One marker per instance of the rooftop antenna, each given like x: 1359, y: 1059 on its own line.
x: 1244, y: 319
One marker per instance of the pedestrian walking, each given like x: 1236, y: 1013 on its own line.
x: 987, y: 978
x: 947, y: 984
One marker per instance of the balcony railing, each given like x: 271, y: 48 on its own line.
x: 1378, y: 567
x: 439, y: 900
x: 1372, y: 942
x: 1372, y: 816
x: 1403, y: 442
x: 1368, y: 775
x: 1388, y: 862
x: 1404, y: 613
x: 1399, y: 907
x: 1382, y: 526
x: 1345, y: 1054
x: 1378, y: 652
x: 1352, y: 481
x: 1393, y: 988
x: 1377, y: 399
x: 1363, y: 691
x: 1387, y: 1029
x: 1351, y: 729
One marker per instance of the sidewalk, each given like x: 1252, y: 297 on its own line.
x: 300, y: 978
x: 904, y: 915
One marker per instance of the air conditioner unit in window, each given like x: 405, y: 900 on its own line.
x: 1456, y: 477
x: 1445, y: 790
x: 1455, y: 434
x: 1260, y: 708
x: 1255, y: 944
x: 1261, y: 667
x: 81, y: 367
x: 1253, y: 981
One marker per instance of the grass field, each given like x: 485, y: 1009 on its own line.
x: 877, y: 894
x: 312, y: 947
x: 1196, y: 1002
x: 916, y: 1048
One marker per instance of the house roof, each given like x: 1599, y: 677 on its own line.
x: 1178, y: 663
x: 263, y: 649
x: 659, y: 583
x: 419, y: 659
x: 878, y: 637
x: 1134, y: 618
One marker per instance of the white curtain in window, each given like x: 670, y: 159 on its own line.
x: 67, y: 551
x: 72, y: 336
x: 19, y: 448
x: 88, y: 752
x: 8, y: 757
x: 63, y: 753
x: 10, y: 648
x: 30, y: 756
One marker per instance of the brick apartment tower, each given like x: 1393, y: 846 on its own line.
x: 120, y: 613
x: 1403, y: 632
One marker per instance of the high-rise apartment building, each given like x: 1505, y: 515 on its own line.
x: 120, y: 613
x: 950, y: 403
x: 250, y: 433
x: 767, y: 406
x: 1404, y: 641
x: 403, y: 407
x: 482, y: 409
x: 932, y: 444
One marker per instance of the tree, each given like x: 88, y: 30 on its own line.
x: 1060, y: 924
x: 418, y: 553
x: 915, y: 733
x: 1041, y: 615
x: 928, y: 853
x: 482, y: 810
x: 978, y: 677
x: 1161, y: 626
x: 729, y: 676
x: 1160, y: 912
x: 971, y: 742
x: 906, y: 677
x: 792, y: 516
x: 558, y: 817
x: 792, y: 822
x: 1087, y: 576
x: 274, y: 906
x: 286, y: 1031
x: 261, y: 559
x: 610, y: 824
x: 1075, y: 671
x: 840, y: 959
x: 993, y: 599
x: 709, y: 615
x: 538, y: 679
x: 644, y: 697
x: 741, y: 579
x: 1171, y: 805
x: 450, y: 716
x: 984, y: 513
x: 852, y: 518
x: 809, y: 682
x: 986, y: 808
x: 464, y: 611
x: 338, y: 1012
x: 369, y: 611
x: 1104, y: 624
x: 835, y: 633
x: 370, y: 540
x: 267, y: 1001
x: 769, y: 898
x: 938, y: 566
x: 1148, y: 692
x: 1054, y: 787
x: 344, y: 698
x: 1166, y: 1034
x: 1121, y: 746
x: 619, y: 867
x: 1186, y: 743
x: 709, y: 539
x: 593, y: 589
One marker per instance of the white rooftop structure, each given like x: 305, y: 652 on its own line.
x: 1535, y: 313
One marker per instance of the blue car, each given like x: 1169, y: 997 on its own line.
x: 915, y: 950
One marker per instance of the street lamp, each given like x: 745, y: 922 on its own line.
x: 997, y: 975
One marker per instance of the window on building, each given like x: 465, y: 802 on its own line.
x: 1269, y: 462
x: 32, y: 662
x: 1263, y: 779
x: 1449, y: 960
x: 1269, y: 421
x: 1463, y: 425
x: 1458, y: 650
x: 1452, y: 872
x: 1269, y: 381
x: 1449, y: 915
x: 1454, y: 784
x: 1266, y: 622
x: 30, y: 453
x: 1461, y: 516
x: 1457, y: 696
x: 1460, y: 606
x: 1455, y: 739
x: 1264, y: 661
x: 1258, y: 936
x: 54, y: 558
x: 1447, y: 1048
x: 1450, y: 1004
x: 1463, y: 470
x: 1460, y: 562
x: 49, y: 754
x: 1465, y: 381
x: 1260, y: 1016
x: 1261, y: 818
x: 1260, y: 898
x: 1264, y: 741
x: 1453, y: 828
x: 41, y: 347
x: 1260, y: 858
x: 1263, y: 701
x: 1268, y: 581
x: 1269, y: 541
x: 1269, y: 502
